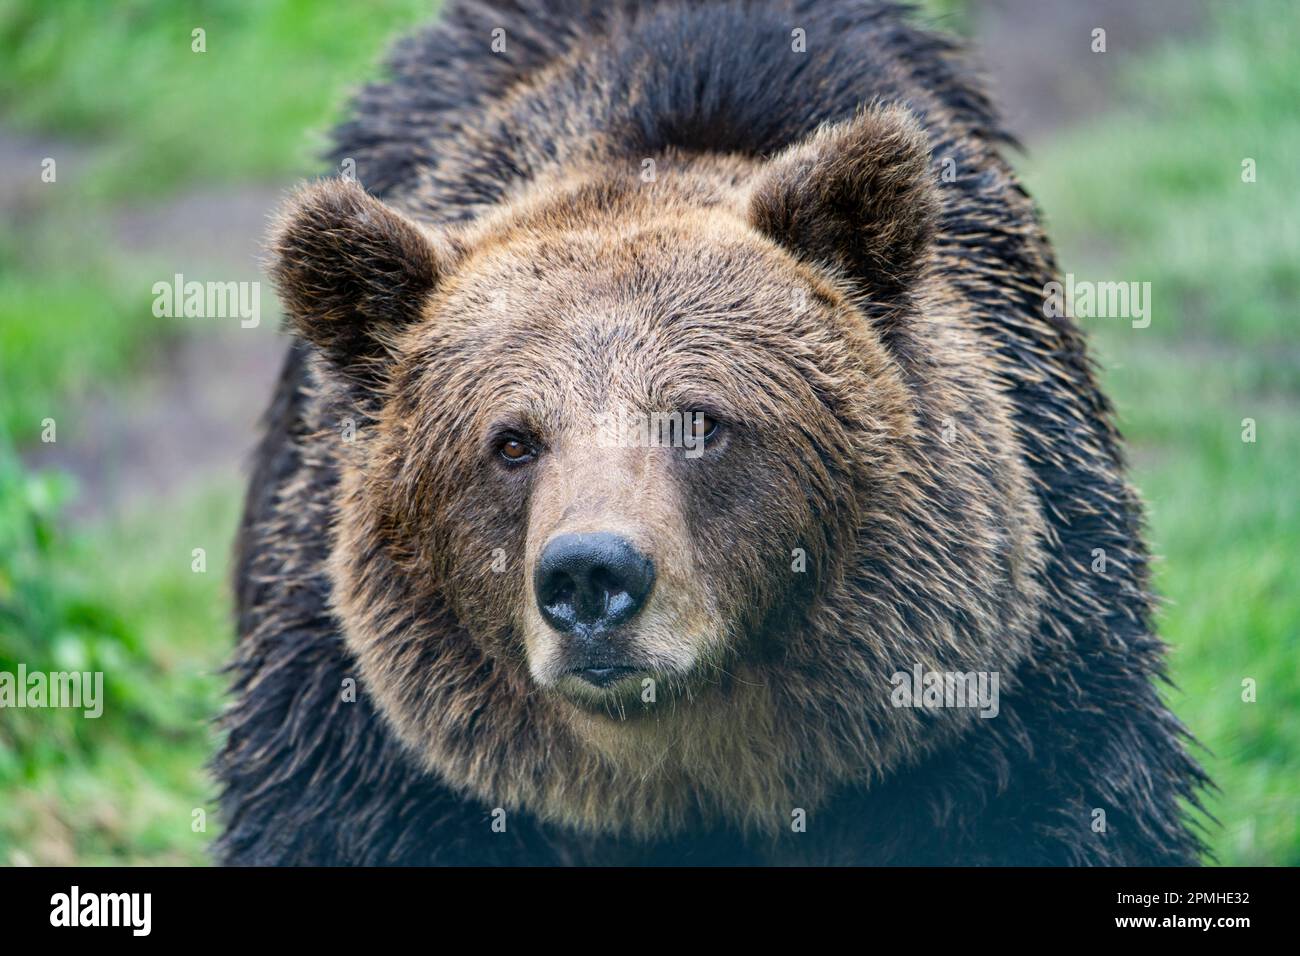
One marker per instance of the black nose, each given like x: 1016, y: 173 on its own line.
x: 591, y: 582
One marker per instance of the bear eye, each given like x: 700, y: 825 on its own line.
x: 701, y: 427
x: 515, y: 450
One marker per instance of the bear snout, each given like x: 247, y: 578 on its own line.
x: 587, y: 585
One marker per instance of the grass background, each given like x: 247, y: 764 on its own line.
x: 1154, y: 193
x: 1149, y: 191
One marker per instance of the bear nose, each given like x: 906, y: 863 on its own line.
x: 591, y: 582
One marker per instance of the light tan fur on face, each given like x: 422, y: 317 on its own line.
x: 583, y: 487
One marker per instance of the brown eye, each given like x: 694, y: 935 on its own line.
x: 515, y: 451
x: 702, y: 427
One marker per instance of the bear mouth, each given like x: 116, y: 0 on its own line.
x: 603, y: 676
x: 610, y: 690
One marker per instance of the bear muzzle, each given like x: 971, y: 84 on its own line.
x: 587, y: 587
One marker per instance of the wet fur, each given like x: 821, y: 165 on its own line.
x: 965, y: 554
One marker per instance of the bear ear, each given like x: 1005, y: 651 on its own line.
x: 351, y: 273
x: 858, y: 195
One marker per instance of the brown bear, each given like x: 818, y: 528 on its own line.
x: 676, y: 463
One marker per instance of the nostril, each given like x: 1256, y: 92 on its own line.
x: 603, y: 580
x: 560, y: 590
x: 619, y: 605
x: 557, y: 601
x: 599, y: 580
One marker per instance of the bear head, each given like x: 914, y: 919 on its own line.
x: 650, y: 491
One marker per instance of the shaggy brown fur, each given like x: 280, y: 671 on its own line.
x: 895, y: 410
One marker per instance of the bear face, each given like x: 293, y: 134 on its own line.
x: 641, y: 463
x: 662, y: 385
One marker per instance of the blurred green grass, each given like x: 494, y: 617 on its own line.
x: 64, y: 329
x: 122, y: 599
x: 272, y: 79
x: 119, y: 90
x: 142, y: 116
x: 1151, y: 193
x: 1155, y: 194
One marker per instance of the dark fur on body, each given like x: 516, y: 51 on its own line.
x: 456, y: 136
